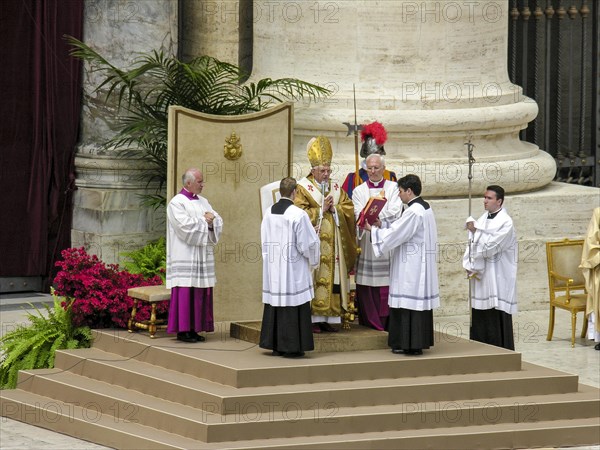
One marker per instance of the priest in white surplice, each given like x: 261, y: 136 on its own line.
x: 193, y: 229
x: 372, y: 273
x: 414, y: 289
x: 290, y: 249
x: 491, y: 264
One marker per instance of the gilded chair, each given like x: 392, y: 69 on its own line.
x: 566, y: 283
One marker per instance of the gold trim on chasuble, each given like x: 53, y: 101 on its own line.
x: 326, y: 303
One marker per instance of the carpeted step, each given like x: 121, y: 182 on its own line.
x: 214, y: 397
x: 118, y: 433
x: 88, y: 423
x: 250, y: 423
x: 240, y: 364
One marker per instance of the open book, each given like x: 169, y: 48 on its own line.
x: 371, y: 211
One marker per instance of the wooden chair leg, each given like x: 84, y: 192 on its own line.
x: 551, y: 324
x: 152, y: 326
x: 130, y: 326
x: 573, y: 327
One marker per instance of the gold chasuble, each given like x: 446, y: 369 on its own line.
x: 334, y: 237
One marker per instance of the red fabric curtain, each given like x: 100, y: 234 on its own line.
x: 41, y: 106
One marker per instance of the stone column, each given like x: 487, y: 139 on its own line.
x: 433, y: 72
x: 211, y: 28
x: 107, y: 217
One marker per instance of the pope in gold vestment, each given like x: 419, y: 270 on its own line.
x: 332, y: 211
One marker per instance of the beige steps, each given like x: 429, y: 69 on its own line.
x: 241, y: 364
x: 132, y: 392
x: 87, y: 423
x: 218, y: 398
x: 321, y: 419
x: 110, y: 431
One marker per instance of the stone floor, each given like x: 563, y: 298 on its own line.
x: 530, y: 329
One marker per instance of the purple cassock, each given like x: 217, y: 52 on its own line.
x: 191, y: 309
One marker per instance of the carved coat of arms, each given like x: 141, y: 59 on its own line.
x: 232, y: 149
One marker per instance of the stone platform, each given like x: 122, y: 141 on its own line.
x: 357, y: 338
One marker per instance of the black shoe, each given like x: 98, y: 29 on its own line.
x: 293, y: 355
x: 397, y: 351
x: 327, y: 328
x: 198, y: 337
x: 186, y: 337
x: 276, y: 353
x: 414, y: 352
x: 597, y: 347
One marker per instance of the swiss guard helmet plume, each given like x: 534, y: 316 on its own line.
x: 373, y: 136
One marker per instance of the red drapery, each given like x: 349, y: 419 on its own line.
x: 41, y: 105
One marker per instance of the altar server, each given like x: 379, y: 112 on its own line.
x: 414, y: 290
x: 290, y: 249
x: 491, y: 264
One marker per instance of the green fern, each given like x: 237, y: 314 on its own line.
x: 34, y: 346
x: 149, y: 260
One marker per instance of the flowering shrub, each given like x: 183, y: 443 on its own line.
x: 99, y: 290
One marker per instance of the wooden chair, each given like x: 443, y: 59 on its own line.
x: 152, y: 295
x: 566, y: 283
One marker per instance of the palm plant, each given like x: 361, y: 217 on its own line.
x: 155, y: 81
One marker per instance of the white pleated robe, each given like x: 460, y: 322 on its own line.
x: 412, y: 241
x: 370, y: 269
x: 190, y: 243
x: 494, y: 255
x: 290, y: 250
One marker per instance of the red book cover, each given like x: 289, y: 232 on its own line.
x: 371, y: 211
